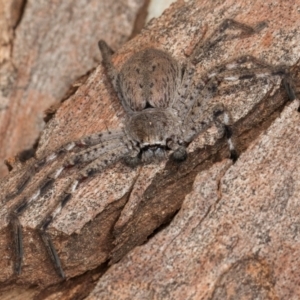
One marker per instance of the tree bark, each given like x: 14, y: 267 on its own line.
x: 207, y: 228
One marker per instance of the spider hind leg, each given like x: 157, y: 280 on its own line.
x: 65, y: 196
x: 100, y: 151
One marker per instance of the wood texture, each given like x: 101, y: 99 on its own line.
x: 236, y: 230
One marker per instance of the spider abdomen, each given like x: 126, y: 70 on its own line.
x: 149, y: 78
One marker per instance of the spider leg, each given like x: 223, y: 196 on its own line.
x: 223, y: 121
x: 106, y: 53
x: 17, y: 231
x: 202, y: 114
x: 87, y: 155
x: 289, y: 87
x: 102, y: 149
x: 95, y: 151
x: 18, y: 237
x: 19, y: 249
x: 103, y: 139
x: 184, y: 99
x: 97, y: 165
x: 229, y: 29
x: 246, y: 67
x: 112, y: 72
x: 52, y: 253
x: 195, y: 94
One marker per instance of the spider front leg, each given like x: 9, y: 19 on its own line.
x: 101, y: 150
x: 194, y: 109
x: 228, y: 30
x: 219, y: 116
x: 113, y: 74
x: 203, y: 113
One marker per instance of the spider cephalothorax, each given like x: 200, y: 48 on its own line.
x: 153, y: 131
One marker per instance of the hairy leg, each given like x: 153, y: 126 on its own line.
x: 203, y: 112
x: 112, y: 73
x: 101, y: 150
x: 65, y: 196
x: 103, y: 140
x: 228, y: 30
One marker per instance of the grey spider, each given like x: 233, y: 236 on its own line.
x: 166, y: 108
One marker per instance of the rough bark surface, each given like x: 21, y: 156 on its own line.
x: 236, y: 231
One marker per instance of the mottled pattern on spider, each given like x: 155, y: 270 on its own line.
x: 166, y: 108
